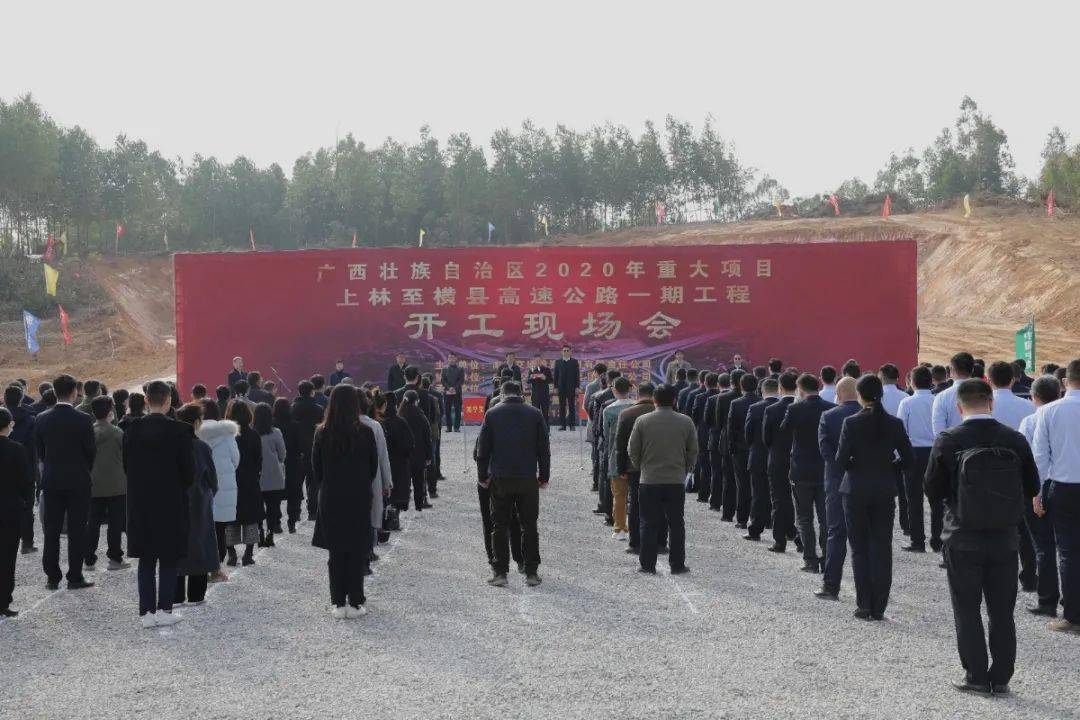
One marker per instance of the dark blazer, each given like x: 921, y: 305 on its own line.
x: 453, y: 376
x: 159, y: 461
x: 679, y: 387
x: 307, y: 414
x: 420, y: 428
x: 735, y: 427
x: 701, y: 422
x: 513, y: 442
x: 692, y: 393
x: 235, y: 376
x: 866, y: 455
x: 718, y: 411
x: 399, y: 446
x: 343, y: 519
x: 16, y: 482
x: 567, y: 376
x: 336, y: 377
x: 776, y: 439
x: 515, y: 370
x: 596, y: 410
x: 396, y: 377
x: 66, y: 446
x: 23, y: 433
x: 832, y: 422
x: 428, y: 405
x: 541, y: 387
x: 942, y: 476
x: 623, y: 430
x: 258, y: 395
x: 249, y: 505
x: 802, y: 420
x: 755, y: 416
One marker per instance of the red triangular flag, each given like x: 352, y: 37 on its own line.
x: 835, y: 202
x: 1049, y: 205
x: 50, y: 250
x: 64, y: 325
x: 886, y: 209
x: 119, y: 230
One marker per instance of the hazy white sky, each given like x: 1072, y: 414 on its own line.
x: 811, y: 93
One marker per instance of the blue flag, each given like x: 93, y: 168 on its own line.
x: 491, y: 229
x: 30, y: 325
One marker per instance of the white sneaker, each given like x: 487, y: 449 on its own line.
x: 149, y: 620
x: 339, y: 613
x: 166, y: 619
x: 351, y: 612
x: 622, y: 536
x: 615, y: 535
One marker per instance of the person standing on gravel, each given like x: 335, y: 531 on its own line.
x: 663, y: 448
x: 513, y: 459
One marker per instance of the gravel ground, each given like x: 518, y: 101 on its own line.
x: 741, y: 636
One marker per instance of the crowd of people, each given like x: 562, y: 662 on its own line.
x: 817, y: 460
x: 820, y: 459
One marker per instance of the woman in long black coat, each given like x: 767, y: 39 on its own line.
x: 399, y: 445
x: 869, y: 442
x: 294, y: 478
x: 249, y: 506
x: 344, y: 460
x: 202, y: 551
x: 420, y: 456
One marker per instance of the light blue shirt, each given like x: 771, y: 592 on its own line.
x: 828, y: 392
x: 946, y: 415
x: 891, y: 399
x: 915, y: 412
x: 1056, y: 445
x: 1010, y: 409
x: 1027, y: 427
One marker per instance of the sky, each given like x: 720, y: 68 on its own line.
x: 809, y: 93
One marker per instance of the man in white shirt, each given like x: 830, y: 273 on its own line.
x: 1056, y: 447
x: 915, y: 411
x: 1044, y: 390
x: 889, y: 375
x: 828, y: 384
x: 946, y: 413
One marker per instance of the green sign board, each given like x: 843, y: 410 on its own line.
x: 1025, y: 345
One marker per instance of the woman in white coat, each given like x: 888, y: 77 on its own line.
x: 220, y: 435
x: 383, y: 481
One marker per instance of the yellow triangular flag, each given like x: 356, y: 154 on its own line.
x: 967, y: 206
x: 51, y: 276
x: 544, y: 220
x: 63, y: 241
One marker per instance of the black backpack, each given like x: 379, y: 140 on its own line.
x: 989, y: 492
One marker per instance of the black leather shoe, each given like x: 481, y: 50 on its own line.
x: 1029, y: 587
x: 632, y: 551
x: 825, y: 593
x: 647, y: 571
x: 752, y: 536
x: 810, y: 567
x: 426, y: 505
x: 52, y: 585
x: 598, y: 511
x: 740, y: 525
x: 9, y: 613
x: 777, y: 548
x: 935, y: 545
x: 1047, y: 610
x: 79, y: 584
x: 27, y: 549
x: 1000, y: 689
x: 662, y: 550
x: 861, y: 614
x: 726, y: 518
x: 433, y: 495
x: 680, y: 570
x: 965, y: 685
x: 798, y: 543
x: 913, y: 548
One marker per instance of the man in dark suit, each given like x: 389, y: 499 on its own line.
x: 981, y: 557
x: 713, y: 445
x: 627, y: 417
x: 567, y: 382
x: 22, y: 432
x: 339, y: 374
x: 697, y: 414
x: 680, y: 381
x: 159, y: 461
x: 724, y: 491
x: 540, y: 381
x: 738, y: 449
x: 66, y: 446
x: 308, y: 414
x: 453, y: 382
x: 807, y: 471
x: 832, y: 421
x: 413, y: 381
x: 692, y: 392
x: 256, y: 392
x: 513, y: 459
x: 396, y: 377
x: 778, y: 442
x: 237, y: 373
x: 511, y: 365
x: 16, y: 493
x: 597, y: 403
x: 757, y: 461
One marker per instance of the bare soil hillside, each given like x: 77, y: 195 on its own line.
x: 980, y: 278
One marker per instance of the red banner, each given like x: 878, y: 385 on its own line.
x: 292, y: 314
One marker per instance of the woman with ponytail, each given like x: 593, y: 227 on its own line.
x: 870, y: 441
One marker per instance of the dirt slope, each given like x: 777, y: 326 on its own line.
x: 979, y: 279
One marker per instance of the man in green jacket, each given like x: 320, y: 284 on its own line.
x: 108, y: 489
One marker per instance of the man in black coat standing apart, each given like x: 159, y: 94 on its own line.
x: 513, y: 459
x: 453, y: 382
x: 396, y: 378
x: 540, y: 381
x: 237, y: 373
x: 66, y: 447
x: 159, y: 460
x: 567, y: 381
